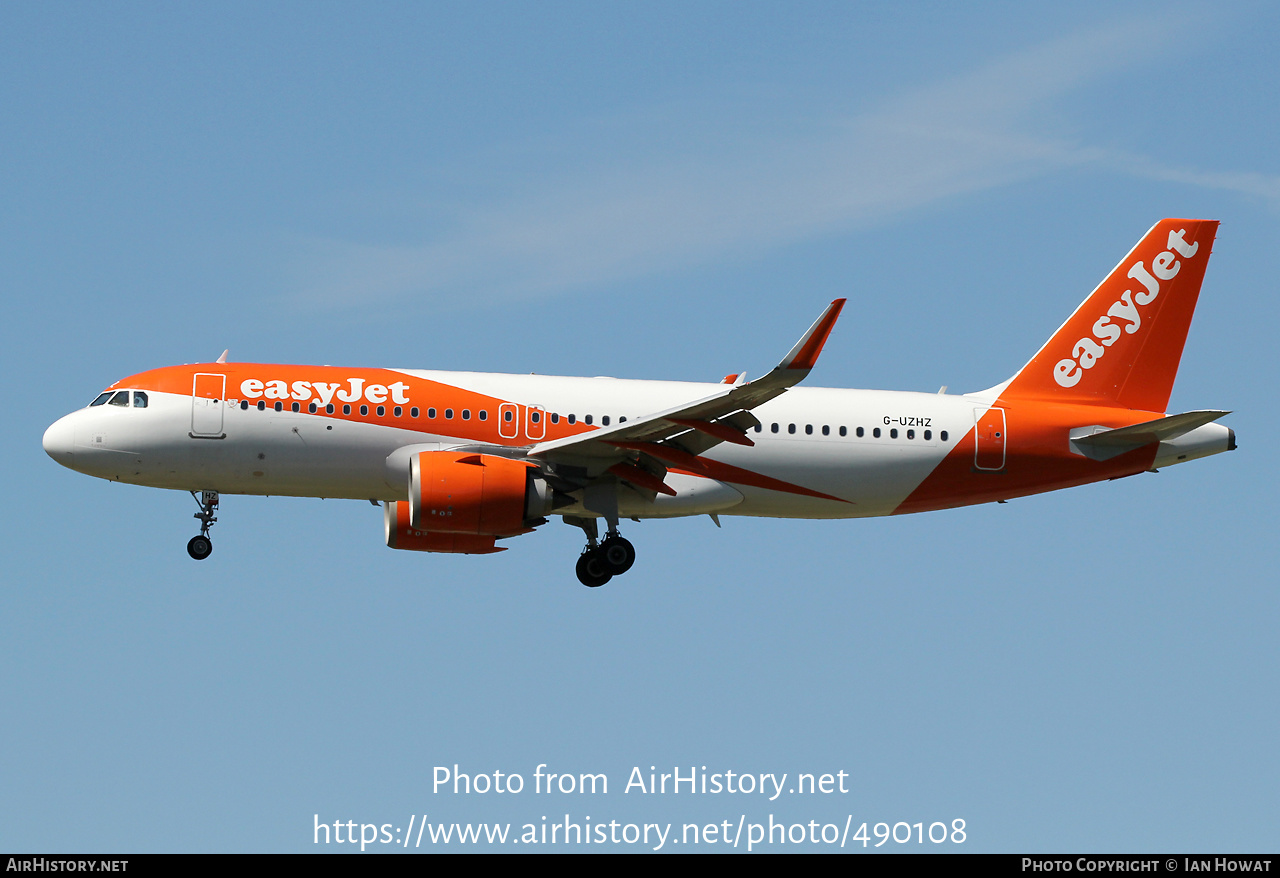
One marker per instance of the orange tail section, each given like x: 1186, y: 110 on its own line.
x: 1122, y: 346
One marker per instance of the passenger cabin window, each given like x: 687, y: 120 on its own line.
x: 262, y: 406
x: 587, y: 419
x: 413, y: 412
x: 484, y: 415
x: 279, y: 406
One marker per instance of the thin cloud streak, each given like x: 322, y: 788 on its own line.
x: 959, y: 137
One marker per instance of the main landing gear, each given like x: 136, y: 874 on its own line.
x: 201, y: 547
x: 601, y: 561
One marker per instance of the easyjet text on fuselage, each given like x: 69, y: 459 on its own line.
x: 324, y: 391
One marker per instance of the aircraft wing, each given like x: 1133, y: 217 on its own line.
x: 676, y: 436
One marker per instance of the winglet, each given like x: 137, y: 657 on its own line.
x: 805, y: 353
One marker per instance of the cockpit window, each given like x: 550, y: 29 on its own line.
x: 121, y: 398
x: 102, y: 397
x: 139, y: 399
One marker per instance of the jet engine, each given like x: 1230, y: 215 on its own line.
x: 463, y: 502
x: 402, y: 535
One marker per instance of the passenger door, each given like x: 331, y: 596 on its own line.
x: 208, y: 391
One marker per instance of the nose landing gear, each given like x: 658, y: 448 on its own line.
x: 201, y: 547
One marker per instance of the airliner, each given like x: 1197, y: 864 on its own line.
x: 461, y: 460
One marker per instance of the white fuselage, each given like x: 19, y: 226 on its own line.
x: 808, y: 438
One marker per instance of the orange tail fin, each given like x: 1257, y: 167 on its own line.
x: 1122, y: 346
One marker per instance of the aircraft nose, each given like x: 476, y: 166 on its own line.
x: 59, y: 440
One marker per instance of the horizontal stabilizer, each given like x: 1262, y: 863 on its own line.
x: 1102, y: 443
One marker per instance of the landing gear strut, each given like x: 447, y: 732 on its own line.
x: 601, y: 561
x: 201, y: 547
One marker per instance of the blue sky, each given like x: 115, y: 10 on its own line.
x: 654, y: 191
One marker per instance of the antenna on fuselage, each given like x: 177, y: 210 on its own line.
x: 223, y: 358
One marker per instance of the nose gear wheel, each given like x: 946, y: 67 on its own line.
x: 200, y: 548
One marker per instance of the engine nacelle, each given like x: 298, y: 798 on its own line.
x: 403, y: 535
x: 482, y: 494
